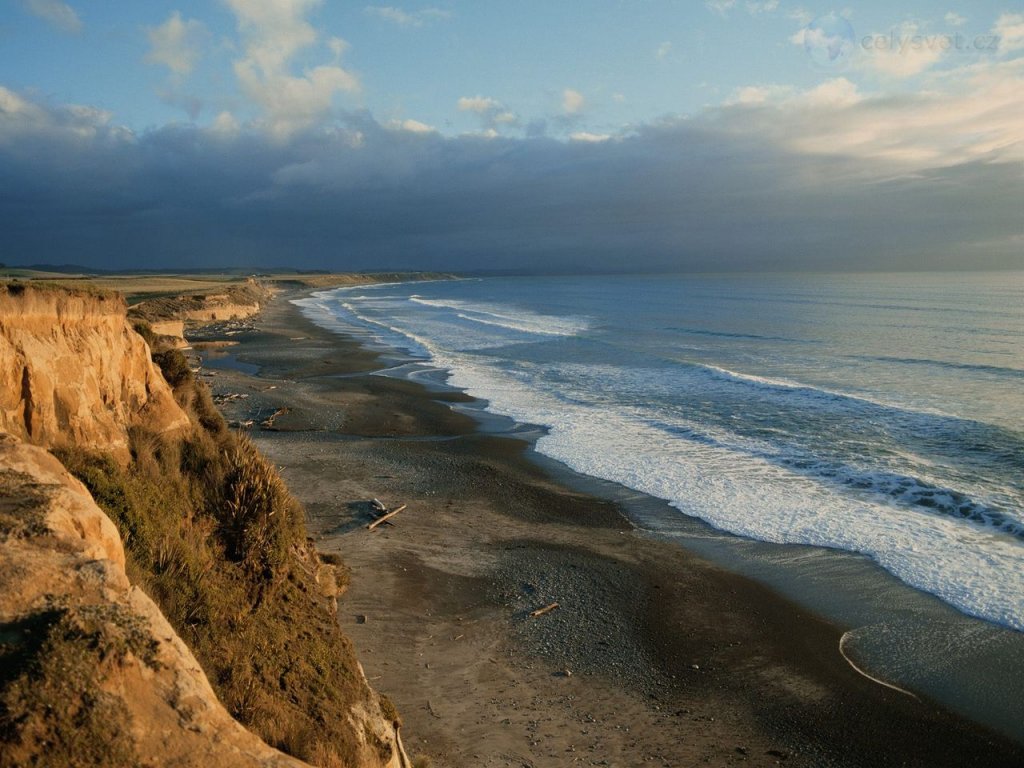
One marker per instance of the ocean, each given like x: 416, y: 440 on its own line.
x: 880, y: 414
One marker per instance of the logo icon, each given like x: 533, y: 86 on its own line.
x: 829, y: 41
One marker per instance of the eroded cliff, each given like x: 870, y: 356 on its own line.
x: 74, y: 373
x: 236, y: 302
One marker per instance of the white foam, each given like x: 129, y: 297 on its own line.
x: 774, y: 383
x: 979, y: 571
x: 325, y: 310
x: 523, y: 320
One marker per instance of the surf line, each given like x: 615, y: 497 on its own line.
x: 858, y: 670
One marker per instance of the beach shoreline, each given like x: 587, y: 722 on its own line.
x: 654, y: 656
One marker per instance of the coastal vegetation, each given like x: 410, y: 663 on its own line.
x: 212, y: 534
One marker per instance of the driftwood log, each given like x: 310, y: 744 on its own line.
x: 269, y: 423
x: 382, y: 518
x: 542, y: 611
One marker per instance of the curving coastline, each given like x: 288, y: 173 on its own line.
x: 654, y: 653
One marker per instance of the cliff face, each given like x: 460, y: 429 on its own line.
x: 237, y: 302
x: 222, y: 310
x: 74, y: 373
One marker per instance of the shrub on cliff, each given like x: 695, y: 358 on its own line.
x: 193, y: 396
x: 260, y: 519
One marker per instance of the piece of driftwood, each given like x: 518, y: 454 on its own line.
x: 382, y: 518
x: 542, y: 611
x: 378, y: 505
x: 269, y: 423
x: 229, y: 397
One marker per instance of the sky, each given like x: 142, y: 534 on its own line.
x: 588, y: 136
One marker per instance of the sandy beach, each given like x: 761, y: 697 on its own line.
x: 654, y: 655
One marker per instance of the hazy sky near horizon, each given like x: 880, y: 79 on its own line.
x: 609, y: 134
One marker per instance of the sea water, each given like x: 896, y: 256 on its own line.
x: 882, y: 414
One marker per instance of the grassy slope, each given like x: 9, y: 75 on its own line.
x: 214, y: 537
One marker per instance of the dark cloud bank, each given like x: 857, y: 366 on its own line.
x: 711, y: 193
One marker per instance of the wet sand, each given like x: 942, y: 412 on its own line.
x: 654, y: 655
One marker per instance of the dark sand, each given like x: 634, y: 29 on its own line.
x: 655, y: 656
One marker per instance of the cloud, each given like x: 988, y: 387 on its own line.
x: 412, y: 126
x: 71, y: 125
x: 225, y: 124
x: 758, y: 94
x: 720, y: 6
x: 338, y: 46
x: 176, y: 44
x: 969, y: 114
x: 492, y: 113
x: 954, y: 19
x: 589, y: 137
x: 801, y: 15
x: 837, y: 92
x: 58, y: 13
x: 1009, y: 28
x: 478, y: 104
x: 825, y: 178
x: 274, y: 31
x: 407, y: 18
x: 663, y: 50
x: 572, y: 102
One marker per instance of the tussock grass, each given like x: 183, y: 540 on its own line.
x: 259, y: 517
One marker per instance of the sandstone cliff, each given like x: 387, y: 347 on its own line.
x: 236, y: 302
x: 74, y: 373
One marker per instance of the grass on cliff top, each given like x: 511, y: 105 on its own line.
x: 212, y: 534
x: 138, y: 288
x: 19, y: 287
